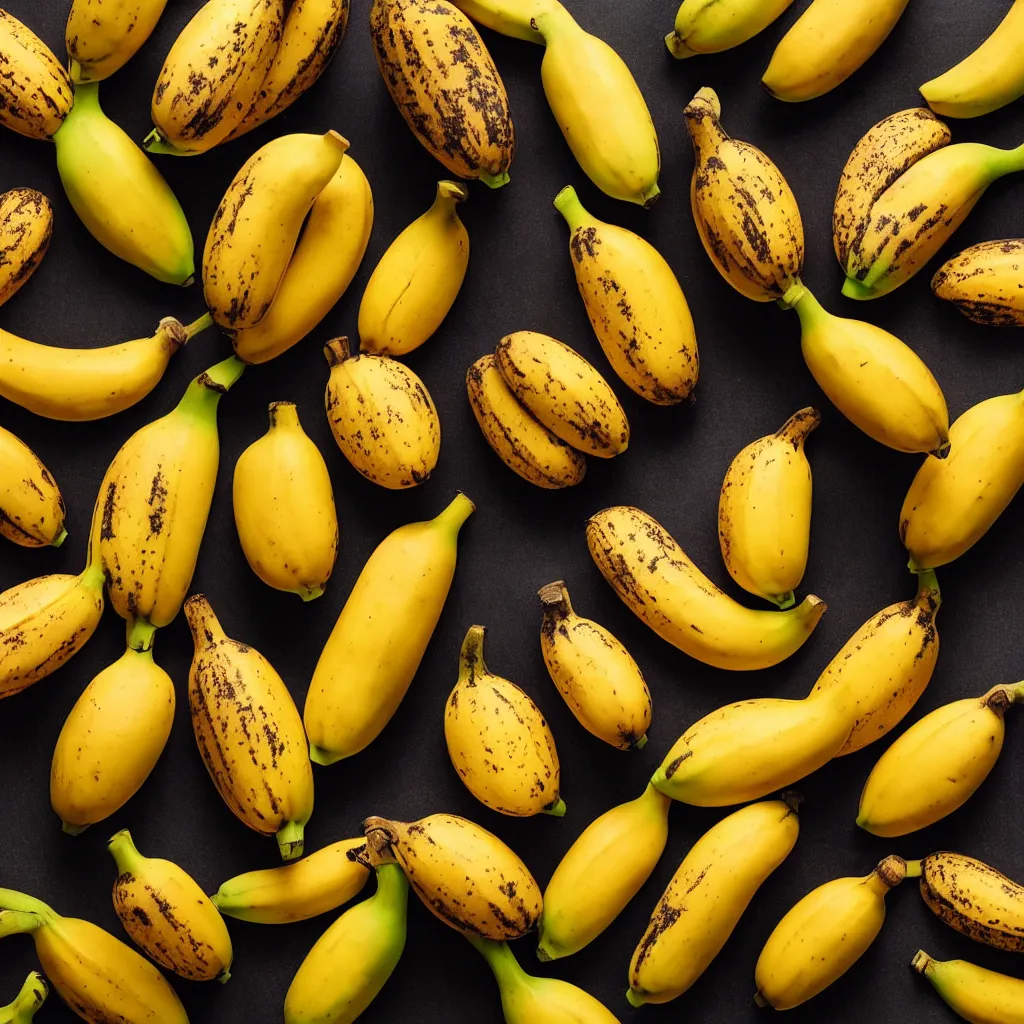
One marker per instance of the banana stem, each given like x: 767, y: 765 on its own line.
x: 202, y: 621
x: 798, y: 294
x: 568, y: 204
x: 14, y: 902
x: 494, y: 180
x: 557, y: 809
x: 122, y: 849
x: 221, y: 376
x: 17, y: 922
x: 471, y: 656
x: 914, y: 868
x: 921, y: 962
x: 458, y: 510
x: 156, y: 142
x: 1016, y: 692
x: 92, y: 575
x: 140, y: 635
x: 928, y: 585
x: 392, y: 885
x: 198, y: 326
x: 502, y: 961
x: 450, y: 194
x: 60, y: 538
x: 204, y: 393
x: 290, y: 840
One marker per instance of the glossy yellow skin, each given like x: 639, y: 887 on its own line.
x: 25, y: 1004
x: 31, y: 507
x: 982, y: 282
x: 36, y: 90
x: 26, y: 225
x: 711, y: 26
x: 103, y: 35
x: 976, y: 994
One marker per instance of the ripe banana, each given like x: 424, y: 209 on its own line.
x: 249, y: 732
x: 464, y: 875
x: 601, y: 872
x: 103, y: 35
x: 823, y: 936
x: 257, y: 225
x: 23, y: 1009
x: 393, y: 607
x: 653, y: 576
x: 498, y: 740
x: 445, y: 84
x: 167, y: 915
x: 516, y: 18
x: 26, y: 225
x: 711, y: 26
x: 418, y: 278
x: 35, y: 91
x: 284, y: 507
x: 764, y: 512
x: 564, y: 392
x: 982, y: 282
x: 97, y: 975
x: 31, y: 506
x: 305, y: 888
x: 707, y: 896
x: 976, y: 994
x: 325, y: 260
x: 382, y: 417
x: 744, y: 210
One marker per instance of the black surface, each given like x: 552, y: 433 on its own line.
x: 520, y: 538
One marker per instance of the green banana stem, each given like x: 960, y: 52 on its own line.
x: 86, y: 101
x: 1016, y: 692
x: 156, y: 142
x: 290, y: 840
x: 140, y: 634
x: 92, y: 575
x: 471, y: 656
x: 198, y: 326
x: 557, y: 809
x: 568, y: 204
x: 126, y: 856
x: 798, y: 296
x: 32, y: 995
x: 914, y: 868
x: 502, y: 961
x: 928, y: 584
x: 59, y: 539
x: 458, y: 510
x: 1006, y: 161
x: 20, y: 913
x: 494, y: 180
x: 203, y: 394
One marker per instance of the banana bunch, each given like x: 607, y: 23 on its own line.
x: 167, y: 915
x: 23, y: 1009
x: 498, y: 740
x: 103, y: 35
x: 764, y: 512
x: 976, y: 994
x: 602, y: 685
x: 284, y: 507
x: 661, y: 586
x: 601, y: 872
x: 98, y: 976
x: 708, y: 895
x: 634, y: 303
x: 35, y: 91
x: 982, y: 282
x: 393, y: 607
x: 31, y: 507
x: 711, y: 26
x: 417, y: 280
x: 26, y: 226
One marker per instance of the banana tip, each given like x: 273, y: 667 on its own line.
x: 60, y: 538
x: 311, y: 593
x: 71, y: 829
x: 225, y: 976
x: 760, y: 999
x: 640, y: 743
x: 635, y: 998
x: 853, y: 289
x: 921, y: 962
x: 676, y: 45
x: 318, y: 755
x: 557, y: 809
x: 785, y: 601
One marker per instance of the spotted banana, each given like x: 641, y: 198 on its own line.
x: 26, y: 224
x: 974, y: 993
x: 103, y: 35
x: 35, y: 91
x: 983, y: 282
x: 23, y: 1009
x: 31, y: 507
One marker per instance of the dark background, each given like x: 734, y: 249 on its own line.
x: 521, y: 537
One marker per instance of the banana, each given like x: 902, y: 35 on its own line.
x: 325, y: 260
x: 498, y: 740
x: 249, y: 732
x: 418, y: 278
x: 445, y: 84
x: 284, y: 507
x: 31, y: 506
x: 35, y: 91
x: 155, y: 498
x: 601, y: 872
x: 952, y: 502
x: 464, y: 875
x: 977, y: 995
x: 982, y: 282
x: 516, y: 18
x: 393, y: 607
x: 167, y: 915
x: 256, y: 227
x: 305, y: 888
x: 827, y: 44
x: 120, y: 197
x: 23, y: 1009
x: 987, y: 78
x: 26, y: 225
x: 103, y: 35
x: 661, y: 586
x: 98, y: 976
x: 764, y: 512
x: 564, y: 392
x: 711, y: 26
x: 382, y: 417
x: 707, y: 896
x: 824, y: 935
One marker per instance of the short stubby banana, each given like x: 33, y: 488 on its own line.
x: 31, y: 507
x: 26, y: 226
x: 382, y: 417
x: 515, y: 18
x: 326, y: 258
x: 764, y: 511
x: 103, y: 35
x: 418, y: 279
x: 601, y: 872
x: 654, y: 577
x: 393, y: 607
x: 976, y: 994
x: 35, y: 91
x: 823, y: 936
x: 249, y: 732
x: 256, y: 227
x: 983, y: 282
x: 23, y: 1009
x: 167, y: 914
x: 498, y: 740
x: 707, y: 896
x: 445, y: 84
x: 594, y: 673
x: 711, y: 26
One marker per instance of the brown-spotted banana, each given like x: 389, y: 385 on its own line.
x: 31, y: 506
x: 983, y: 282
x: 103, y: 35
x: 26, y: 225
x: 23, y: 1009
x: 974, y: 993
x: 35, y: 91
x: 711, y: 26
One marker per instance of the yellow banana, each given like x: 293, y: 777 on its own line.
x: 325, y: 260
x: 23, y: 1009
x: 823, y: 936
x: 707, y: 896
x: 103, y: 35
x: 976, y: 994
x: 31, y: 506
x: 653, y: 576
x: 392, y: 610
x: 764, y: 512
x: 284, y: 507
x: 249, y: 732
x: 35, y: 91
x: 445, y: 84
x: 167, y: 915
x: 382, y: 417
x: 26, y: 225
x: 418, y: 278
x: 982, y: 282
x: 516, y: 18
x: 711, y: 26
x: 498, y: 740
x: 257, y: 225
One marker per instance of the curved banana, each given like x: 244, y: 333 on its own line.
x: 26, y: 225
x: 393, y: 607
x: 256, y: 227
x: 23, y: 1009
x: 498, y: 740
x: 976, y: 994
x: 35, y: 91
x: 445, y: 84
x: 661, y: 586
x: 707, y: 896
x: 284, y: 507
x: 601, y: 872
x: 711, y: 26
x: 167, y: 915
x: 418, y: 278
x: 516, y: 18
x: 982, y: 282
x: 31, y: 506
x: 103, y: 35
x: 764, y: 512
